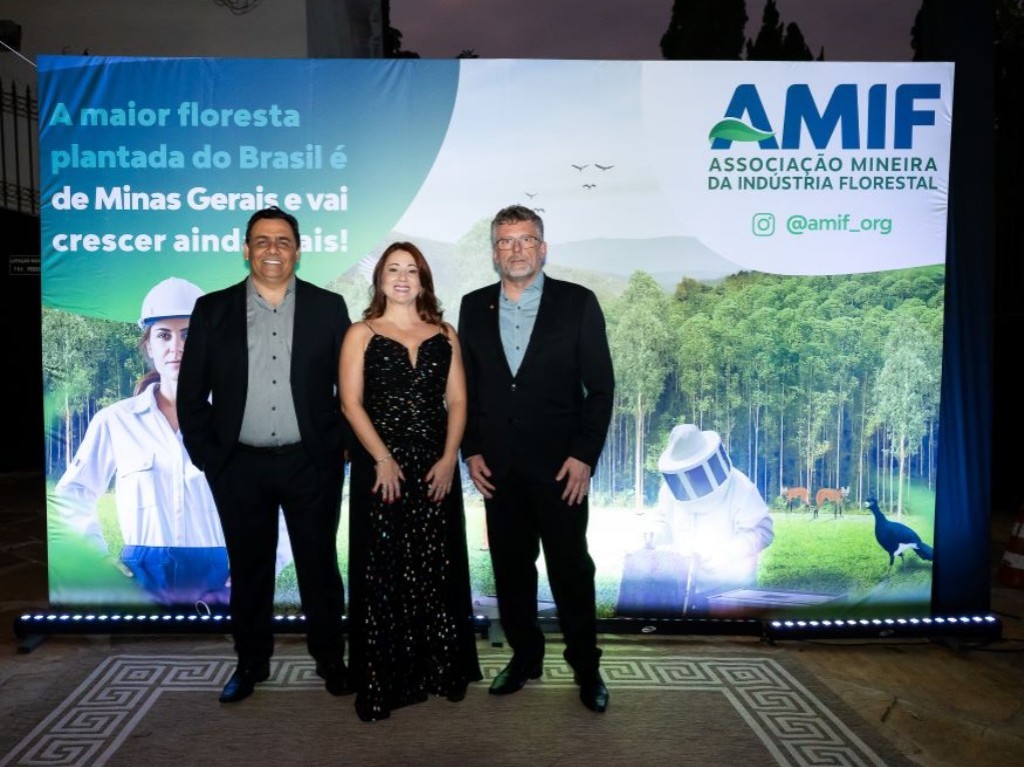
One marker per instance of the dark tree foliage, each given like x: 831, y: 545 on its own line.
x: 767, y: 45
x: 710, y: 30
x: 393, y: 46
x: 777, y: 41
x: 919, y: 32
x: 794, y: 47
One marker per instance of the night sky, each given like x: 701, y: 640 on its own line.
x: 868, y: 30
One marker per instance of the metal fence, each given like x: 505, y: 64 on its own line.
x: 19, y: 148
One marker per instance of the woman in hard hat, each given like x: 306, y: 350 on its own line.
x: 173, y: 543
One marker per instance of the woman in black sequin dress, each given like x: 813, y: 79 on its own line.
x: 404, y: 393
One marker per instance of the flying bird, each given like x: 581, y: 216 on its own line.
x: 580, y: 167
x: 589, y: 186
x: 531, y: 195
x: 897, y: 538
x: 603, y: 167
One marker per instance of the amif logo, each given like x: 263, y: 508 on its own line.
x: 747, y: 120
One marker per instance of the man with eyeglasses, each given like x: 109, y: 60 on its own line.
x: 259, y: 413
x: 540, y: 387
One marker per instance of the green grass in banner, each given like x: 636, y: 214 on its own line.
x: 839, y: 556
x: 80, y: 575
x: 481, y: 577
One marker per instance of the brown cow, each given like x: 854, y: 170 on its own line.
x: 834, y: 495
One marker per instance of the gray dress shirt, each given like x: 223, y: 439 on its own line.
x: 269, y: 419
x: 516, y: 320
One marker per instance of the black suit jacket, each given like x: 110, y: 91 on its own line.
x: 213, y: 381
x: 559, y: 404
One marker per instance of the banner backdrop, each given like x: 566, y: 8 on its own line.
x: 767, y: 241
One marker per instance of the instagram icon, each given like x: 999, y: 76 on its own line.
x: 763, y: 224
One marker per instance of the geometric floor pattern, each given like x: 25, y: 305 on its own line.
x: 794, y: 726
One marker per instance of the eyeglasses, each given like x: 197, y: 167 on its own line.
x: 526, y: 242
x: 265, y: 243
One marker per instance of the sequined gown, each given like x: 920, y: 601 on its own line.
x: 410, y: 600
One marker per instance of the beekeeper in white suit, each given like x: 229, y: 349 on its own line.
x: 173, y: 543
x: 709, y: 512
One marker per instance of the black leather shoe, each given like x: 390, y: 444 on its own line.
x: 335, y: 678
x: 243, y: 681
x: 593, y: 693
x: 512, y: 678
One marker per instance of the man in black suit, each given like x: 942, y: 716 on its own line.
x: 540, y: 387
x: 260, y: 414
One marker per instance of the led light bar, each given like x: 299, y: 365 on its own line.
x: 40, y: 624
x: 977, y: 627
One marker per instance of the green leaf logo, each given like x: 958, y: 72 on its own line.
x: 732, y: 129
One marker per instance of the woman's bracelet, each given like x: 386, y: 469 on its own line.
x: 387, y: 457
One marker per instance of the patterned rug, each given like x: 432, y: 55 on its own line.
x: 666, y: 708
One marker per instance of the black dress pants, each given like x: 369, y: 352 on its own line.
x: 248, y: 492
x: 521, y: 516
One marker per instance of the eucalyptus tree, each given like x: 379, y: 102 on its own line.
x: 905, y: 391
x: 68, y: 345
x: 640, y: 344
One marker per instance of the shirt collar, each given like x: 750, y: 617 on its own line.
x: 146, y: 399
x: 251, y: 286
x: 535, y: 288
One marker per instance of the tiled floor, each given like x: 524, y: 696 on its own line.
x: 942, y: 704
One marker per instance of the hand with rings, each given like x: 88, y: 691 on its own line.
x: 389, y: 479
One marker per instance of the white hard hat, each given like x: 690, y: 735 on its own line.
x: 695, y: 463
x: 173, y: 297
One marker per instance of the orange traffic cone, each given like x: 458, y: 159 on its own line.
x: 1011, y: 567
